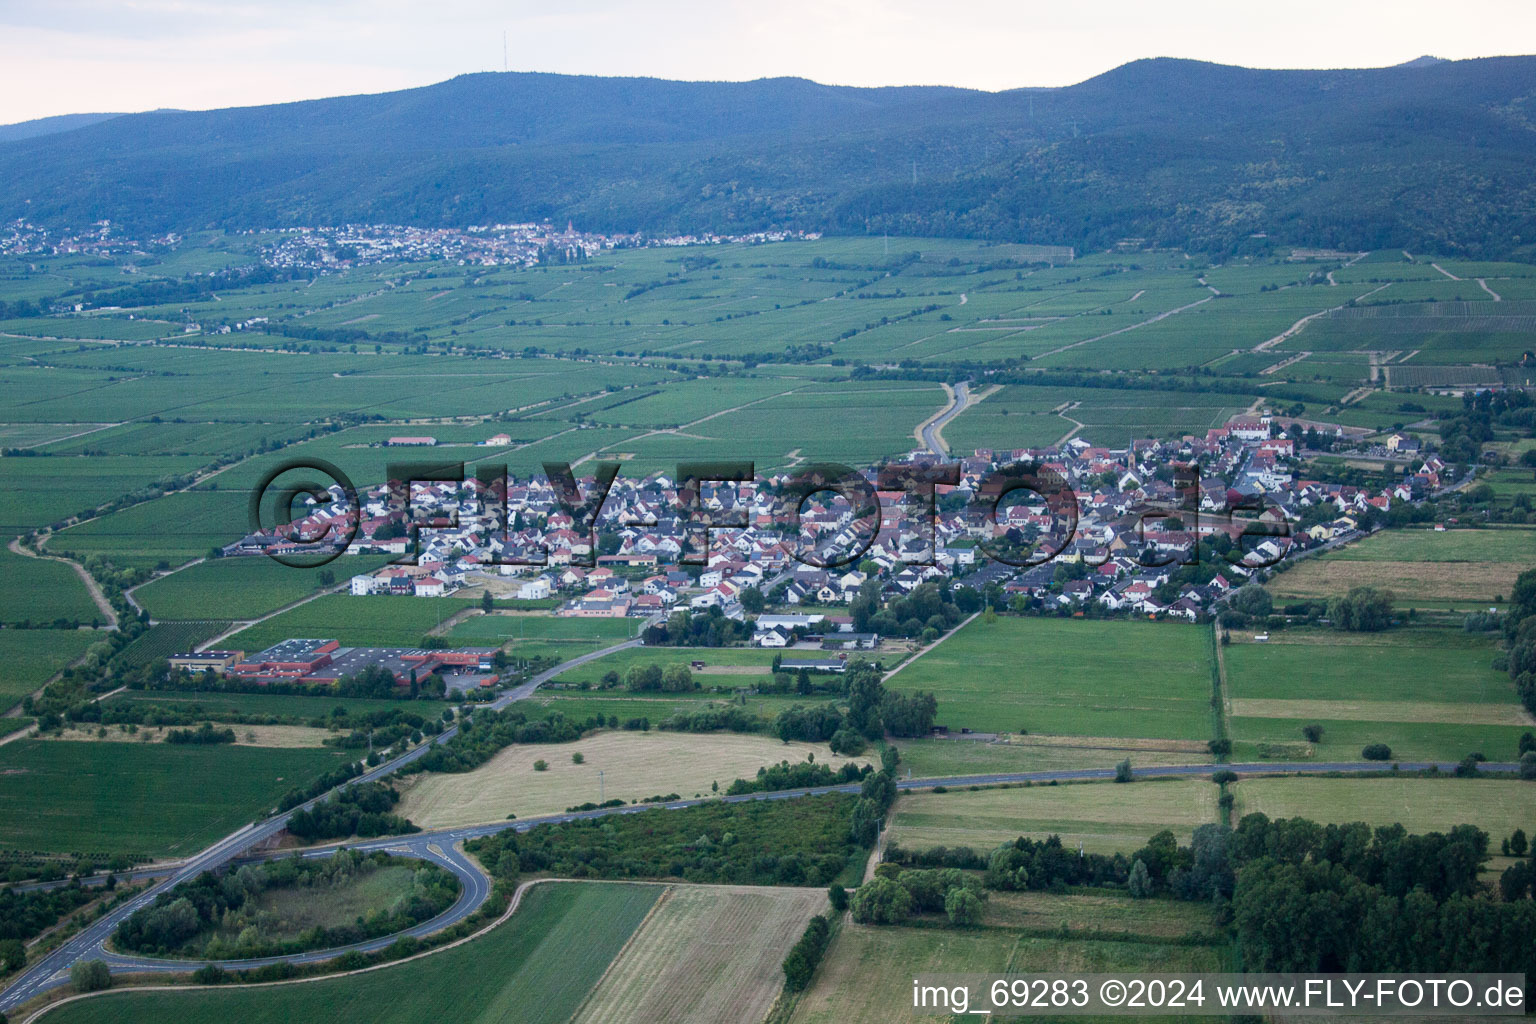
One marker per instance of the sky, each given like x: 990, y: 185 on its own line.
x: 70, y: 56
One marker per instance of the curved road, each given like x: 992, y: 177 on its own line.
x: 438, y: 846
x: 52, y: 970
x: 932, y: 428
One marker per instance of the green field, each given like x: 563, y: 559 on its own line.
x: 738, y: 666
x: 146, y: 799
x: 1426, y: 693
x: 376, y: 621
x: 237, y: 588
x: 536, y: 968
x: 541, y: 636
x: 30, y: 656
x: 868, y: 970
x: 164, y: 639
x: 45, y: 590
x: 1497, y: 806
x: 1101, y: 817
x: 284, y: 708
x: 1070, y: 677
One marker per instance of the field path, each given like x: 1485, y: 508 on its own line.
x: 1447, y: 273
x: 1483, y: 283
x: 1142, y: 323
x: 236, y: 627
x: 1295, y: 328
x: 91, y: 585
x: 1062, y: 410
x: 958, y: 627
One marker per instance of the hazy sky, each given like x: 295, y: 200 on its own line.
x: 62, y: 56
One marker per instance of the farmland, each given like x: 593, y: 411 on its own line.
x: 1102, y: 817
x: 281, y: 708
x: 147, y: 799
x: 1072, y: 678
x: 635, y: 765
x: 868, y: 970
x: 705, y: 954
x: 165, y: 639
x: 1476, y: 566
x: 1497, y: 806
x: 50, y: 590
x: 549, y: 955
x: 1426, y: 693
x: 240, y: 588
x: 31, y: 656
x: 354, y: 621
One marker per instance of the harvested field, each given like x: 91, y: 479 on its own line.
x: 1413, y: 582
x: 704, y: 954
x: 635, y: 765
x: 1103, y: 817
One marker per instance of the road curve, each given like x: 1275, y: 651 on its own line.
x: 90, y: 943
x: 931, y: 429
x: 52, y: 970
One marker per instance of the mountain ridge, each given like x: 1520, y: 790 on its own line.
x: 1353, y: 157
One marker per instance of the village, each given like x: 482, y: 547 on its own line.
x: 1141, y: 511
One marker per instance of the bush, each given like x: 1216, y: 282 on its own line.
x: 839, y: 896
x: 578, y: 758
x: 1528, y: 765
x: 541, y: 765
x: 1377, y: 752
x: 1312, y: 733
x: 1219, y: 748
x: 1224, y: 776
x: 90, y: 976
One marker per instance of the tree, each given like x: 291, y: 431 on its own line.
x: 541, y: 765
x: 839, y: 897
x: 487, y: 602
x: 1252, y: 600
x: 13, y: 955
x: 1362, y: 610
x: 90, y: 976
x: 752, y: 600
x: 1518, y: 843
x: 881, y: 901
x: 1140, y: 882
x: 1377, y: 752
x: 1123, y: 771
x: 963, y: 907
x: 578, y: 758
x: 1313, y: 733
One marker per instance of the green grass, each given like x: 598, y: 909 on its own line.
x: 28, y: 657
x: 149, y: 799
x: 1493, y: 545
x: 1069, y: 677
x: 534, y: 969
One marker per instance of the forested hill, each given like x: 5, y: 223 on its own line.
x: 1430, y: 155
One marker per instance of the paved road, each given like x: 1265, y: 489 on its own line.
x: 931, y: 431
x: 52, y: 970
x: 438, y: 846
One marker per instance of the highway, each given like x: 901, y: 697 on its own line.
x: 439, y: 846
